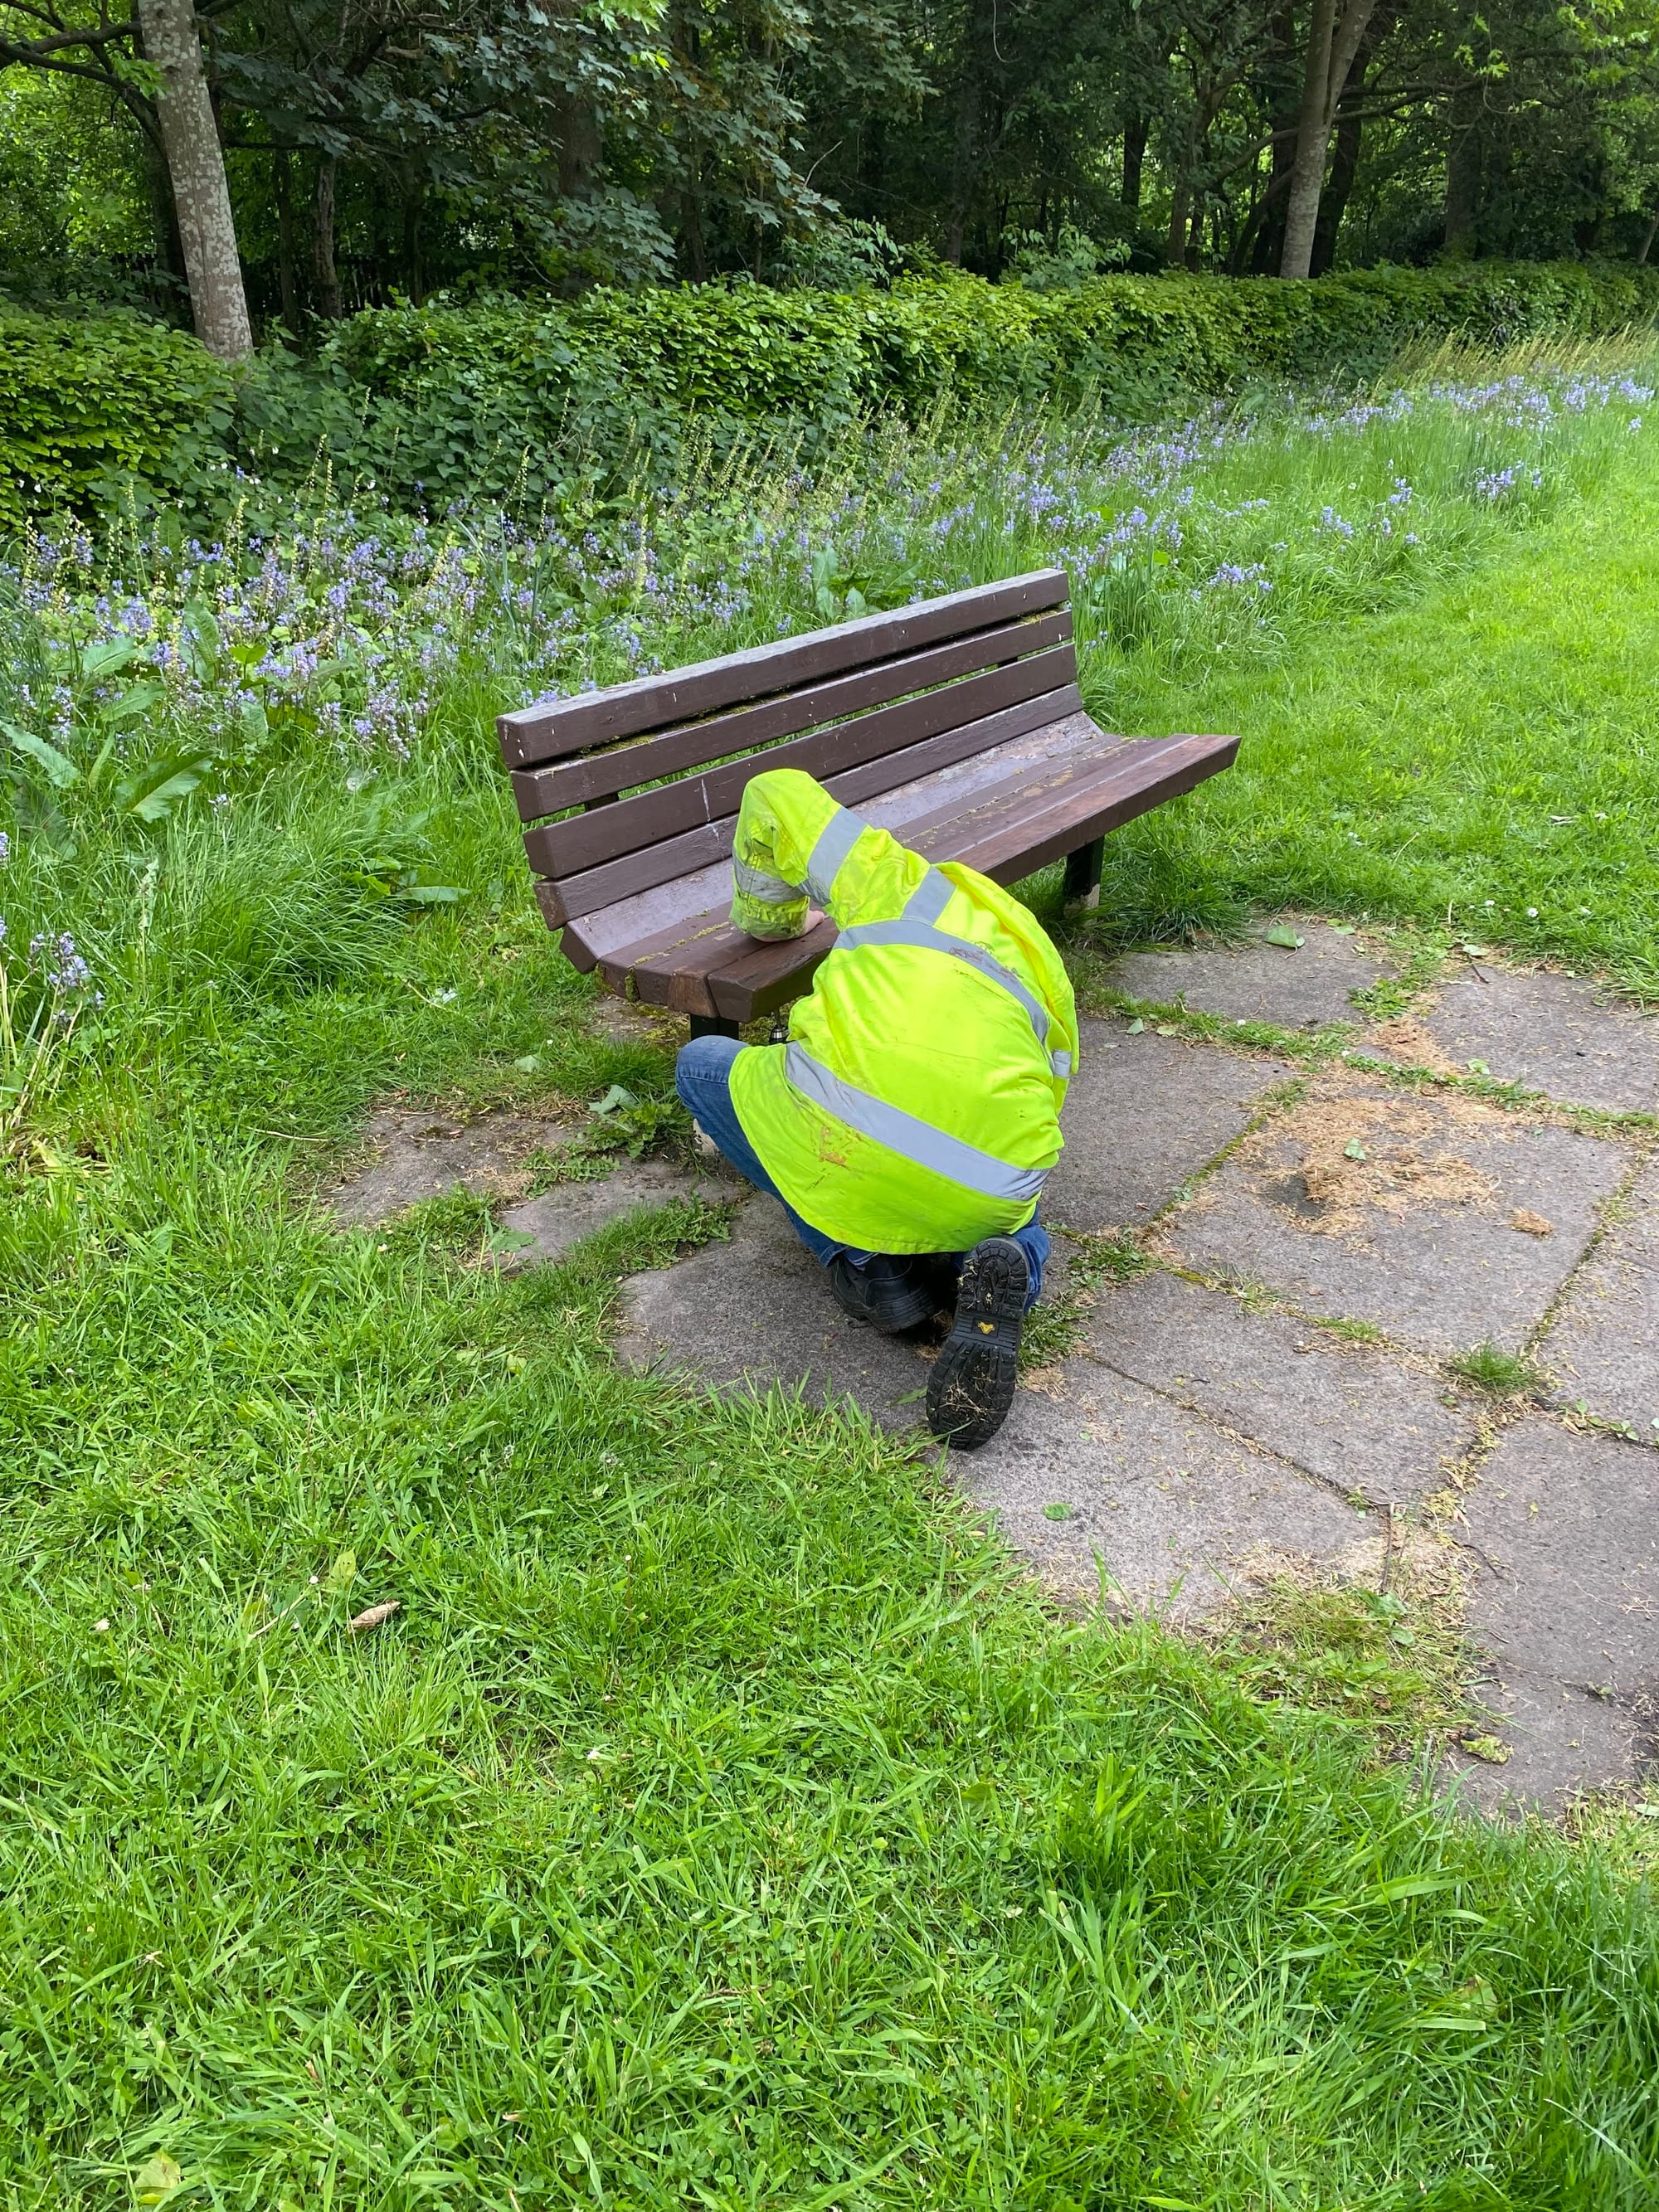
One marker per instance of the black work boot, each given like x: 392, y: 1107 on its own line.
x: 972, y: 1384
x: 891, y: 1295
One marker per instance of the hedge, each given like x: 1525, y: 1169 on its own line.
x: 90, y: 406
x: 430, y: 403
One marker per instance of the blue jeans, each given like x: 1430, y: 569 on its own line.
x: 702, y: 1076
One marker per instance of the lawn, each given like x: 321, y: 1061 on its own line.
x: 723, y: 1819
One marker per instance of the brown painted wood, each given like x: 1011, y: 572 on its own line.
x: 543, y: 791
x: 1045, y: 818
x: 710, y: 843
x: 665, y: 907
x: 856, y: 786
x: 555, y: 731
x: 1034, y: 815
x: 581, y: 842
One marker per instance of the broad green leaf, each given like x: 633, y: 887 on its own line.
x: 134, y: 702
x: 61, y: 770
x: 507, y: 1240
x: 156, y: 2179
x: 429, y: 894
x: 616, y: 1100
x: 342, y: 1571
x: 529, y: 1064
x: 106, y: 658
x: 1135, y: 1027
x: 153, y: 791
x: 1281, y: 933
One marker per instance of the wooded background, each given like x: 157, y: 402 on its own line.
x: 266, y: 162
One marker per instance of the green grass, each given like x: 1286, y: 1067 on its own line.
x: 1482, y: 760
x: 721, y: 1820
x: 1490, y: 1368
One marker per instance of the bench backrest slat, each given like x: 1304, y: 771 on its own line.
x: 709, y: 842
x: 581, y: 842
x: 554, y: 789
x: 567, y: 726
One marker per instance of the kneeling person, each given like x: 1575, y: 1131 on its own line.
x: 908, y: 1122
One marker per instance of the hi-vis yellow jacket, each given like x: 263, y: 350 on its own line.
x: 916, y: 1105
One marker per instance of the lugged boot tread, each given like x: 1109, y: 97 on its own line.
x: 972, y: 1385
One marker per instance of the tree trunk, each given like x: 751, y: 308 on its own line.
x: 1333, y: 201
x: 287, y: 272
x: 1332, y: 46
x: 1180, y: 204
x: 196, y: 167
x: 1463, y: 175
x: 1647, y: 240
x: 1312, y: 137
x: 580, y: 147
x: 414, y: 276
x: 330, y: 305
x: 1135, y: 158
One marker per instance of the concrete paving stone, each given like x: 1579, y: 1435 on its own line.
x: 756, y: 1311
x: 1445, y: 1222
x: 1604, y: 1347
x: 420, y: 1152
x: 1552, y: 1033
x: 1174, y: 1515
x: 1565, y: 1599
x: 1262, y: 982
x: 561, y: 1217
x: 1345, y: 1412
x: 1144, y: 1114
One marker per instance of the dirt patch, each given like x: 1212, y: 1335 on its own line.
x: 410, y: 1153
x: 629, y: 1024
x: 1405, y: 1039
x: 1344, y: 1155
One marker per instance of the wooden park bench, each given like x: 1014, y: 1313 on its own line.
x: 956, y: 723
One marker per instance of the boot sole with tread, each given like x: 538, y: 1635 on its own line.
x: 972, y: 1384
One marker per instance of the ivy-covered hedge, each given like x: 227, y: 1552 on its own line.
x: 434, y: 402
x: 91, y: 405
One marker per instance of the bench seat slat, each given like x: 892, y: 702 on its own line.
x: 543, y: 791
x: 1038, y: 811
x: 566, y: 726
x: 581, y: 842
x: 665, y: 906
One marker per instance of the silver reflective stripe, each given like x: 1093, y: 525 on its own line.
x: 835, y: 841
x: 1061, y: 1064
x: 770, y: 891
x: 930, y: 897
x: 902, y: 1133
x: 907, y: 932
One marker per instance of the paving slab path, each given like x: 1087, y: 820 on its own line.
x: 1274, y: 1383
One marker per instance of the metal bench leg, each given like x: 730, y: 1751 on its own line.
x: 711, y: 1025
x: 1082, y: 893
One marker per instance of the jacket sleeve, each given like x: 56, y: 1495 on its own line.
x: 791, y: 838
